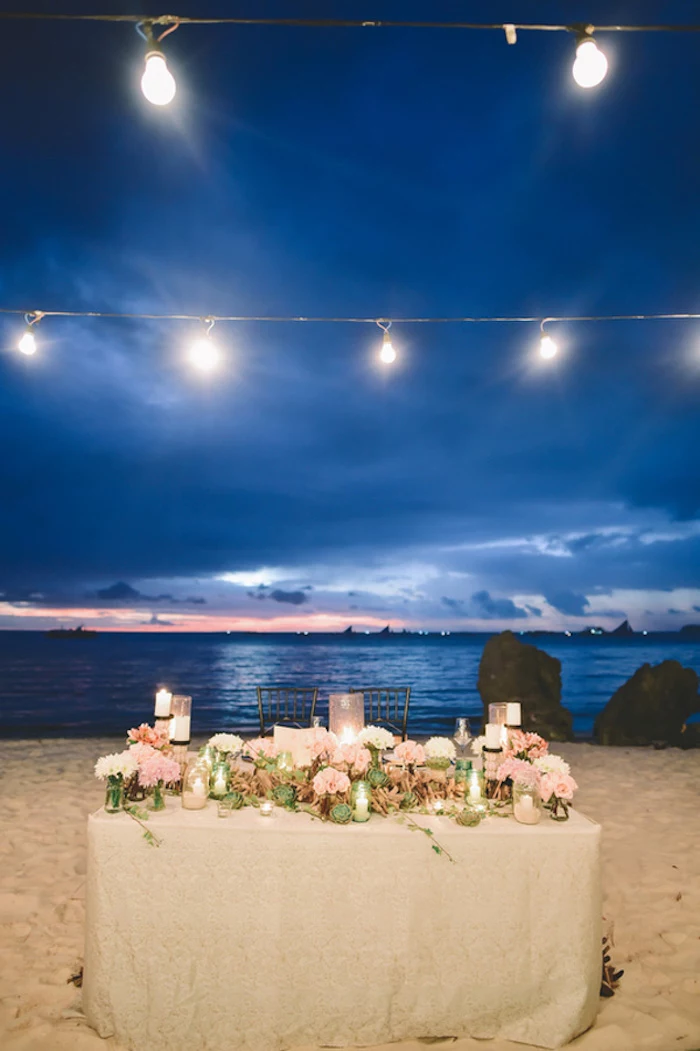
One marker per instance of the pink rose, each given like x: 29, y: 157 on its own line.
x: 564, y: 787
x: 331, y: 782
x: 409, y: 753
x: 352, y: 757
x: 547, y: 785
x: 262, y: 746
x: 323, y: 743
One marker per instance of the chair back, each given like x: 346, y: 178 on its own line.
x: 293, y: 705
x: 387, y: 706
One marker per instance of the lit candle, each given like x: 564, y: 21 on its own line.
x: 513, y: 713
x: 525, y: 811
x: 266, y: 808
x: 198, y: 789
x: 493, y: 735
x: 163, y: 699
x: 180, y: 729
x: 220, y: 785
x: 438, y: 806
x: 504, y: 736
x: 474, y: 790
x: 347, y: 736
x: 361, y: 808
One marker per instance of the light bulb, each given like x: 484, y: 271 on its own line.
x: 548, y: 347
x: 204, y: 354
x: 387, y: 353
x: 590, y: 65
x: 27, y: 342
x: 157, y: 82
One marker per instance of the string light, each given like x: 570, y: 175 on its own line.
x: 204, y: 353
x: 27, y: 341
x: 548, y: 348
x: 590, y: 65
x: 387, y: 354
x: 157, y: 83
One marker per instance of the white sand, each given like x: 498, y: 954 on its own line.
x: 648, y: 803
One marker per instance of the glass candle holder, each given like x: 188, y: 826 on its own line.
x: 463, y: 768
x: 208, y: 755
x: 219, y: 780
x: 360, y: 800
x: 316, y: 722
x: 527, y: 805
x: 346, y: 716
x: 514, y: 715
x: 437, y: 807
x: 285, y: 763
x: 474, y: 792
x: 266, y: 808
x: 498, y: 713
x: 195, y: 786
x: 181, y: 708
x: 224, y: 807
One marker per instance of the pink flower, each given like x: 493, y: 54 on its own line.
x: 352, y: 757
x: 525, y: 745
x: 323, y: 743
x: 331, y: 782
x: 408, y: 753
x: 142, y: 752
x: 520, y: 771
x: 264, y: 746
x: 157, y: 767
x: 145, y: 734
x: 564, y: 787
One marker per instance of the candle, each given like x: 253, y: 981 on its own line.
x: 474, y: 790
x: 513, y: 713
x: 347, y: 736
x: 493, y: 735
x: 525, y: 811
x: 163, y: 699
x: 504, y: 736
x: 361, y: 808
x: 198, y: 789
x: 220, y: 785
x: 180, y: 729
x: 438, y: 806
x: 266, y: 808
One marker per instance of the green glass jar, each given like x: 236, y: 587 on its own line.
x: 220, y: 778
x: 463, y: 768
x: 114, y: 794
x: 361, y: 800
x: 208, y: 755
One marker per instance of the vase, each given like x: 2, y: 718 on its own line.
x: 158, y: 797
x: 114, y: 794
x: 376, y: 757
x: 558, y: 809
x: 195, y: 786
x: 219, y: 781
x: 527, y: 805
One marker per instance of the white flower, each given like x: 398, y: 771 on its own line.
x: 376, y: 737
x: 552, y: 764
x: 123, y: 763
x: 229, y: 743
x: 477, y: 745
x: 440, y: 748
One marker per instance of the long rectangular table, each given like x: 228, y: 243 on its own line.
x: 257, y: 934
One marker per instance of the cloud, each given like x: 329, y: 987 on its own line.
x: 119, y: 592
x: 293, y: 598
x: 535, y: 610
x: 568, y: 602
x: 155, y: 619
x: 454, y: 604
x: 496, y: 608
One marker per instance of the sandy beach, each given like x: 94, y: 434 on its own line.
x: 647, y: 802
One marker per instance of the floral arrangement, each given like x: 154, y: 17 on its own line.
x: 226, y: 744
x: 145, y: 734
x: 439, y: 753
x: 528, y: 762
x: 118, y: 765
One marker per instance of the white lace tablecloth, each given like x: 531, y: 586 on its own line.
x: 257, y: 934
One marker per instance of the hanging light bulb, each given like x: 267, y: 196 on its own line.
x: 157, y: 83
x: 26, y: 344
x: 548, y: 348
x: 387, y: 354
x: 590, y: 65
x: 204, y: 353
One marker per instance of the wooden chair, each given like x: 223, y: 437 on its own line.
x: 387, y: 707
x: 290, y: 705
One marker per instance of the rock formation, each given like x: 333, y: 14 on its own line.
x: 510, y: 670
x: 651, y: 707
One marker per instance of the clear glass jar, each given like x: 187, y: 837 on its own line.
x: 527, y: 805
x: 361, y: 800
x: 285, y: 763
x: 195, y: 786
x: 114, y: 794
x: 219, y: 779
x: 208, y: 755
x: 181, y: 712
x: 158, y: 801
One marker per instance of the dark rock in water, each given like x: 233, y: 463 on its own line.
x: 510, y: 670
x: 623, y: 629
x: 651, y: 708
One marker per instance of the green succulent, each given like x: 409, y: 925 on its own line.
x: 409, y: 800
x: 377, y: 778
x: 235, y: 799
x: 341, y: 814
x: 468, y: 818
x: 285, y: 795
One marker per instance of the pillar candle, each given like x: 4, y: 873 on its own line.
x: 513, y: 713
x: 180, y: 729
x: 163, y: 699
x: 493, y: 735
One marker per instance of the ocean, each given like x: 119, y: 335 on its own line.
x: 104, y: 685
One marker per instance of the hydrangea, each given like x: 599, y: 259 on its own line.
x: 118, y: 764
x: 228, y: 743
x: 157, y: 767
x: 552, y: 764
x: 440, y: 748
x: 520, y: 771
x: 376, y: 737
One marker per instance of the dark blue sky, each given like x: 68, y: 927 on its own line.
x: 371, y: 172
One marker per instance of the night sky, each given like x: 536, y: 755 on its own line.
x: 387, y: 172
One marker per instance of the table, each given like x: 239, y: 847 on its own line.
x: 257, y: 934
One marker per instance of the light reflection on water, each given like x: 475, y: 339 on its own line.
x: 106, y: 684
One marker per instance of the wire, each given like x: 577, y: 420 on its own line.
x: 346, y: 23
x: 380, y: 320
